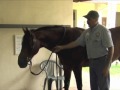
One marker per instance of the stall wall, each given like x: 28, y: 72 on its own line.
x: 42, y: 12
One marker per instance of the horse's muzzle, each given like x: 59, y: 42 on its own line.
x: 22, y: 63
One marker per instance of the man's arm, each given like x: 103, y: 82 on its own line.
x: 80, y: 41
x: 67, y: 46
x: 109, y: 60
x: 110, y: 54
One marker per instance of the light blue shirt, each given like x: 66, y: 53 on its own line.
x: 96, y: 40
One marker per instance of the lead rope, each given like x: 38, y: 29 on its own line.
x: 56, y: 72
x: 56, y: 55
x: 30, y: 66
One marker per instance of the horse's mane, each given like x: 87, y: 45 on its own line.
x: 49, y: 27
x: 58, y: 27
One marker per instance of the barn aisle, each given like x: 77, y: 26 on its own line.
x: 114, y: 76
x: 86, y: 85
x: 114, y: 84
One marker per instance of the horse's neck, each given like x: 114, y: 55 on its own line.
x: 58, y: 36
x: 49, y: 37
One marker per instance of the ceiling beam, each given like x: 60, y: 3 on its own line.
x: 80, y: 0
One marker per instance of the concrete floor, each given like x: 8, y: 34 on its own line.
x: 114, y: 84
x: 114, y: 81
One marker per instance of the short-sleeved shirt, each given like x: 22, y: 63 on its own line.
x: 96, y: 40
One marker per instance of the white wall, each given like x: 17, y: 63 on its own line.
x: 53, y: 12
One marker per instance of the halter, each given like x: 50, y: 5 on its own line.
x: 29, y: 59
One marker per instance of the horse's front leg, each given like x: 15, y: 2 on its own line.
x: 78, y: 76
x: 67, y: 74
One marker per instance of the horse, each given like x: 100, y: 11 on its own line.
x: 71, y: 59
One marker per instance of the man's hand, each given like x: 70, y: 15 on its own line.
x: 57, y: 49
x: 106, y: 70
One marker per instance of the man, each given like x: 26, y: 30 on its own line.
x: 99, y: 45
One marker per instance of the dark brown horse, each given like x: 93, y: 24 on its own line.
x: 72, y: 59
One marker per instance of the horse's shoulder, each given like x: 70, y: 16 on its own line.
x: 115, y: 31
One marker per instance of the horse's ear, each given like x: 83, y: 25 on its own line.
x: 25, y: 30
x: 31, y: 33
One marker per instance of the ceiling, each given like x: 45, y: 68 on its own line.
x: 99, y: 1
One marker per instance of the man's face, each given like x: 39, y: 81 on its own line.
x: 92, y: 22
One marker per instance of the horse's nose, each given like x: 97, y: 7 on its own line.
x: 22, y: 63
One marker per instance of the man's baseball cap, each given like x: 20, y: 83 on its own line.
x: 92, y: 14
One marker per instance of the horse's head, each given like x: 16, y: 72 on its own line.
x: 33, y: 40
x: 30, y: 46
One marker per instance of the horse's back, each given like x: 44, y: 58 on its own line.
x: 115, y: 32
